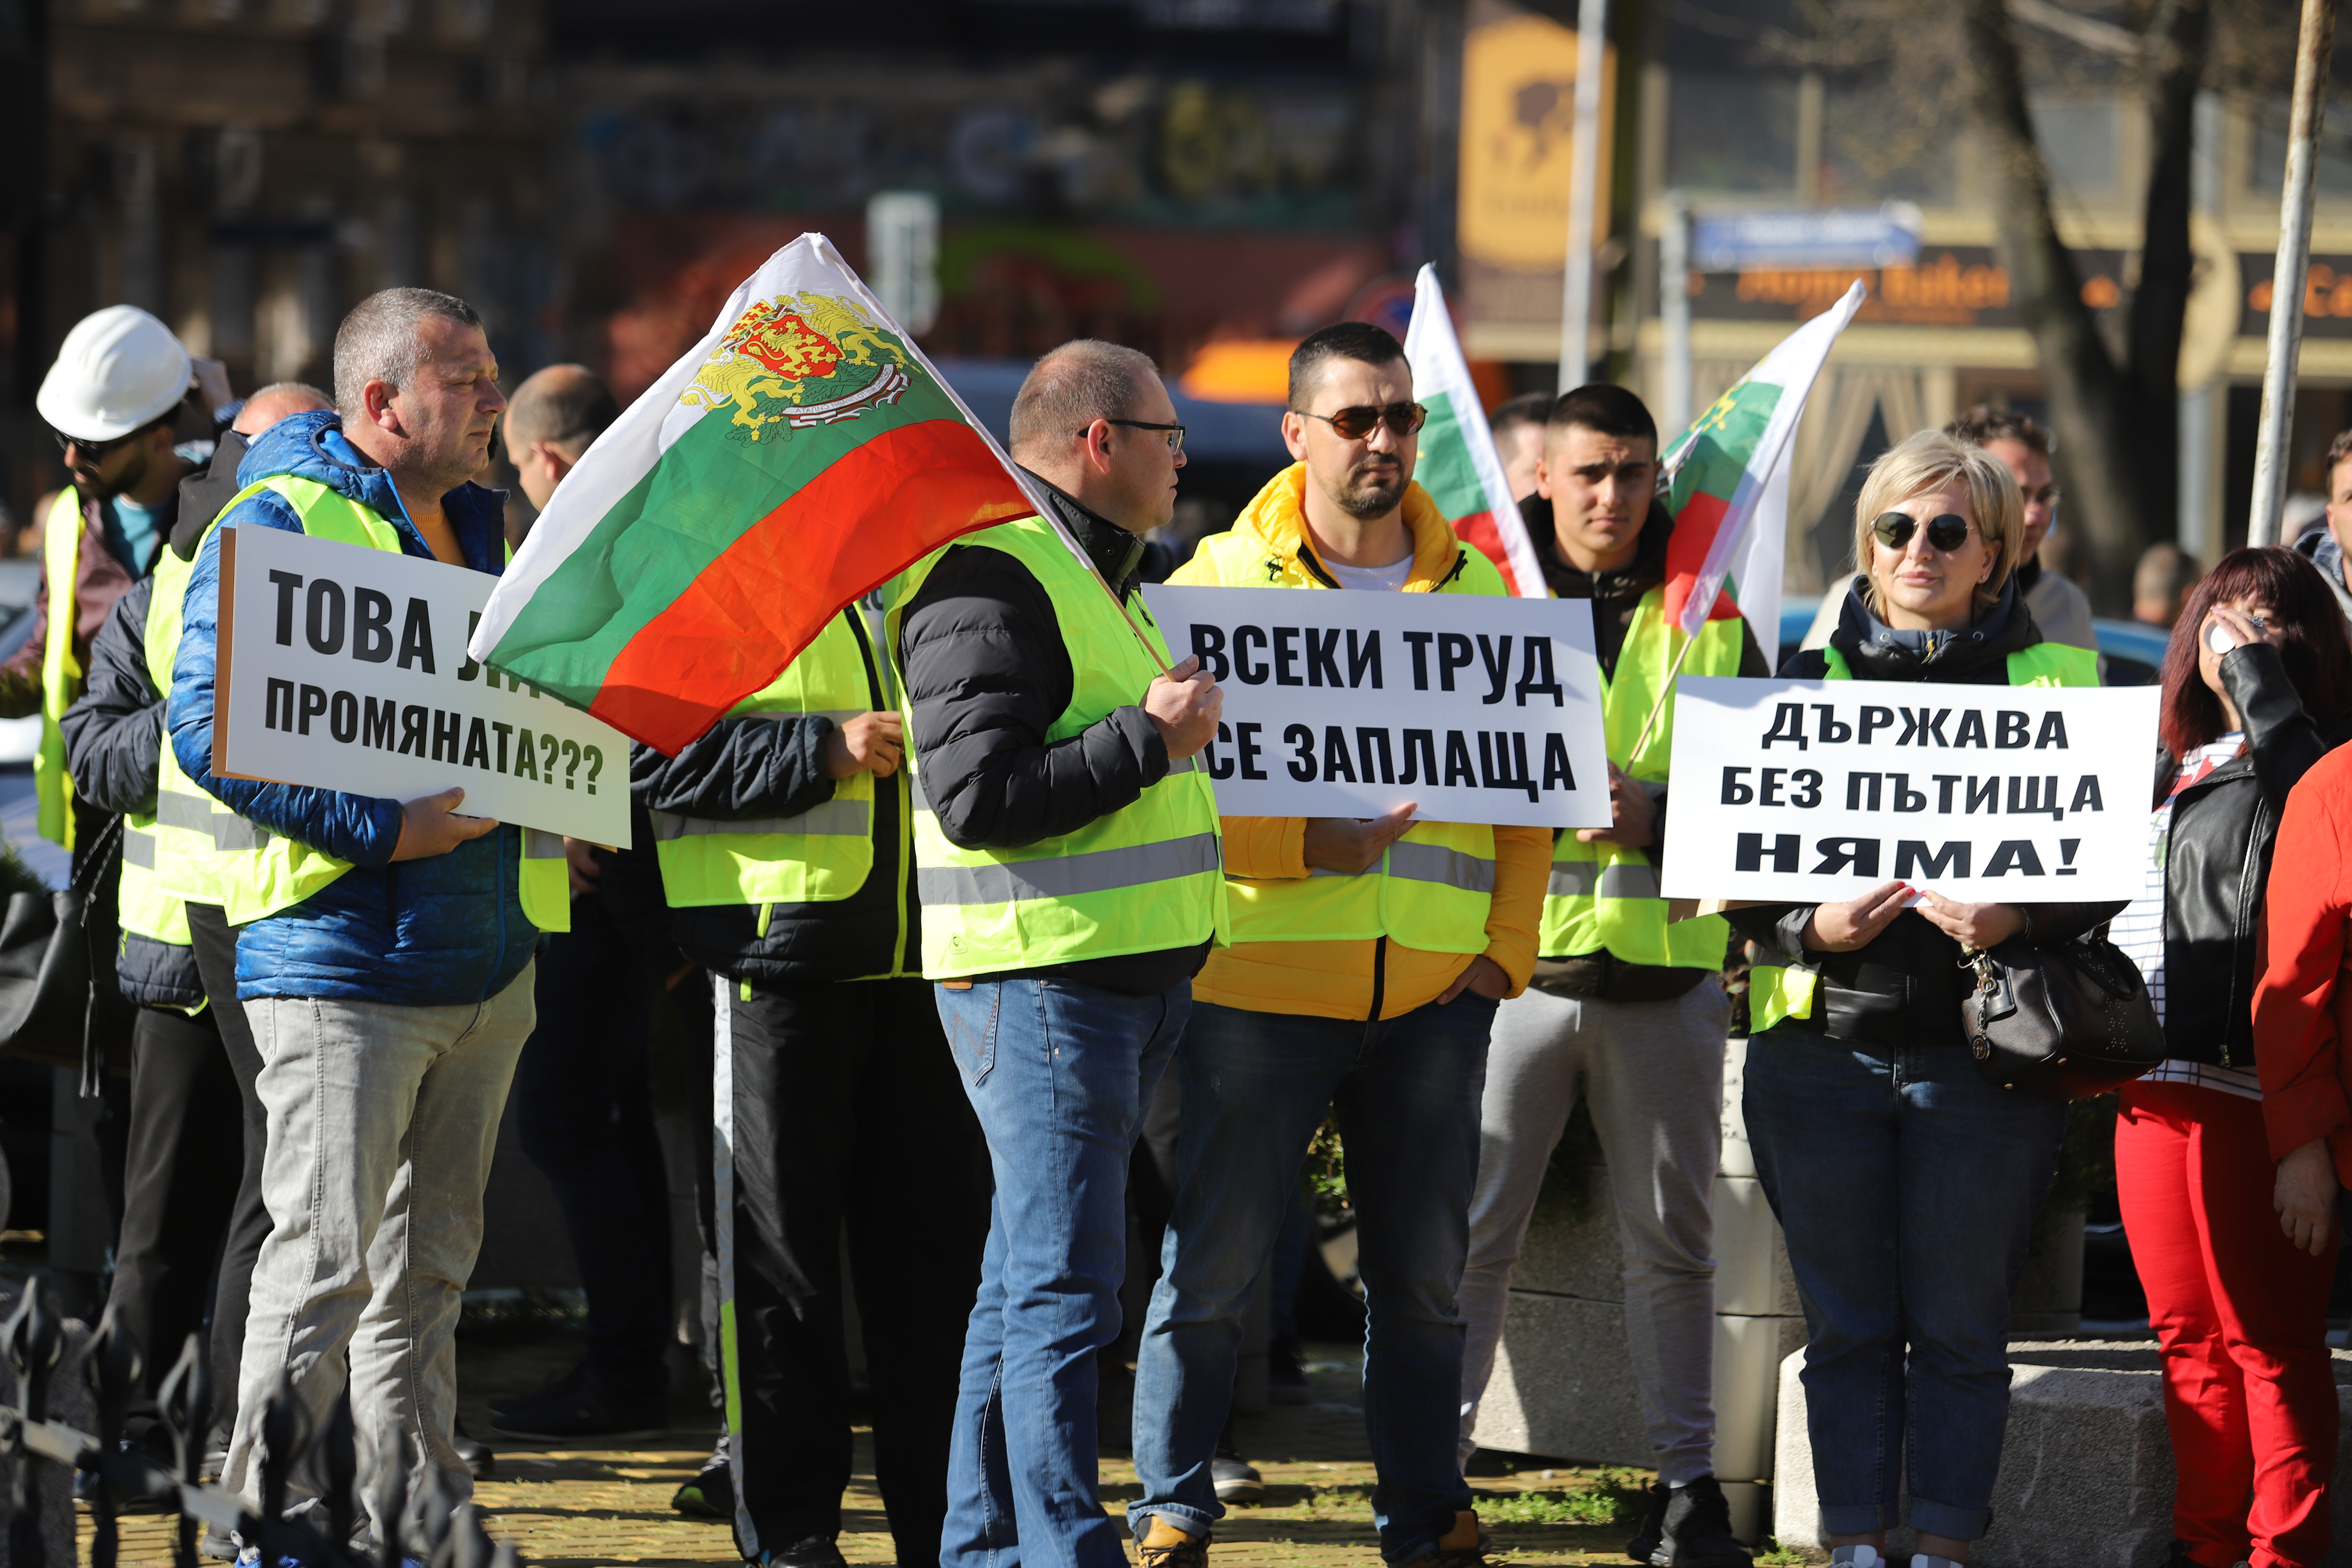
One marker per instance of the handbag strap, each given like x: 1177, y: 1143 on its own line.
x: 101, y: 855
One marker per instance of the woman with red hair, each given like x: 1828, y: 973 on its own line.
x: 2257, y: 691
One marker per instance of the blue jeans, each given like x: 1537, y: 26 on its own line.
x: 1406, y: 1094
x: 1059, y: 1074
x: 1907, y: 1186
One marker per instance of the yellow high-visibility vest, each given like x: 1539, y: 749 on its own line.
x: 1143, y: 879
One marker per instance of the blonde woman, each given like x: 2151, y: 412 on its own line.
x: 1905, y: 1184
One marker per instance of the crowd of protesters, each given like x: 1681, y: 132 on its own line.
x: 952, y: 900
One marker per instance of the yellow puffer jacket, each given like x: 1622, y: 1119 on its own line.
x: 1341, y: 979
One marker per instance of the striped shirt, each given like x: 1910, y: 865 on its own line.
x: 2139, y: 930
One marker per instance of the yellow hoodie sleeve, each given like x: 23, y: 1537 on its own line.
x: 1522, y: 875
x: 1264, y: 848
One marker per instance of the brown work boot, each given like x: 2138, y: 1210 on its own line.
x: 1165, y: 1545
x: 1463, y: 1546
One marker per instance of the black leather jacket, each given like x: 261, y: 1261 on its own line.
x: 1905, y: 987
x: 2218, y: 858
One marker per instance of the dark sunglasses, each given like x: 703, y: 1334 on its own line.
x: 1174, y: 433
x: 1895, y: 529
x: 1355, y: 424
x: 99, y: 450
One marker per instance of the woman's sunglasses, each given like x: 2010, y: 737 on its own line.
x: 1355, y: 424
x: 1895, y: 529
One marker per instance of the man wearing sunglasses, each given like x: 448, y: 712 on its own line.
x: 109, y: 401
x: 1366, y: 963
x: 1625, y: 1009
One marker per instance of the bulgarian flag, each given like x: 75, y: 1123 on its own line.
x: 1459, y: 465
x: 1726, y: 483
x: 803, y: 452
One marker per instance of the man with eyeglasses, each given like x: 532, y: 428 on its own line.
x: 1065, y: 854
x: 1626, y: 1009
x: 109, y: 401
x: 1367, y: 960
x: 2020, y: 444
x: 2323, y: 547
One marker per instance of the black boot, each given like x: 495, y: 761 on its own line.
x: 1696, y: 1531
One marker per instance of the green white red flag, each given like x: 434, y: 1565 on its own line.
x: 1458, y: 465
x: 1727, y: 484
x: 801, y: 454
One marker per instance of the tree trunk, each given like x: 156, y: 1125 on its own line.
x: 2171, y: 67
x: 2102, y: 449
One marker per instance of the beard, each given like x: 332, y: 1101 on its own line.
x: 133, y: 475
x: 1365, y: 495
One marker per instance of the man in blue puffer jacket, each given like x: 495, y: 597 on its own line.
x: 390, y: 1003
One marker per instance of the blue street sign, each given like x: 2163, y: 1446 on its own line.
x: 1879, y: 236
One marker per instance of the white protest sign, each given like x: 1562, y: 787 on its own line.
x: 343, y: 668
x: 1818, y: 790
x: 1350, y: 704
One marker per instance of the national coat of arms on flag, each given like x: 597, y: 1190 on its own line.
x: 800, y: 455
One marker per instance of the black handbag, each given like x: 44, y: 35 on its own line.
x: 2062, y: 1021
x: 57, y: 993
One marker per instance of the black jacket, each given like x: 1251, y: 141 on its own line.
x: 750, y: 768
x: 204, y: 493
x: 2218, y: 858
x: 987, y: 674
x: 1905, y: 988
x: 1615, y: 596
x: 114, y: 741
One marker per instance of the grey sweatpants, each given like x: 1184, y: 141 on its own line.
x: 1652, y: 1073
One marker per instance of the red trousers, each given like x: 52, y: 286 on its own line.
x: 2242, y: 1315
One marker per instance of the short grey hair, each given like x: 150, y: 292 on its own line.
x: 1076, y: 384
x: 379, y: 341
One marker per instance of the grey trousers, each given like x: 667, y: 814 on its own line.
x: 1652, y: 1073
x: 382, y: 1123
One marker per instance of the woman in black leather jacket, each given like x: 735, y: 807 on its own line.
x: 2257, y: 683
x: 1905, y: 1184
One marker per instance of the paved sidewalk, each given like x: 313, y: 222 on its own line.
x: 589, y: 1507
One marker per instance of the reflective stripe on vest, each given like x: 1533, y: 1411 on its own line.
x: 148, y: 905
x: 820, y: 855
x: 61, y: 672
x: 1433, y: 889
x: 1776, y: 991
x: 1141, y: 879
x: 276, y: 873
x: 1606, y: 895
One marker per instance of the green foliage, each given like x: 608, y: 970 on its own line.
x: 1776, y: 1555
x: 16, y: 877
x: 1609, y: 1497
x: 1327, y: 1171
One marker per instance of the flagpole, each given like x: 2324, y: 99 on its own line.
x: 2313, y: 46
x: 1664, y: 696
x: 1584, y: 171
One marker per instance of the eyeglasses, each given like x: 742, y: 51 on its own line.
x: 99, y: 450
x: 2048, y: 495
x: 1895, y: 529
x: 1355, y: 424
x: 1175, y: 433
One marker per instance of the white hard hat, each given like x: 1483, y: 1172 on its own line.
x: 118, y: 369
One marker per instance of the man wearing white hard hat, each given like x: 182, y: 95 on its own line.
x: 109, y: 400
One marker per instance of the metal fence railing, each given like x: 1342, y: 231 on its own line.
x: 434, y: 1531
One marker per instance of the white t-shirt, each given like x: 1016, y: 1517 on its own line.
x: 2139, y: 930
x: 1375, y: 579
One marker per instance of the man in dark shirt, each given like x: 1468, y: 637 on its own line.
x: 1066, y: 849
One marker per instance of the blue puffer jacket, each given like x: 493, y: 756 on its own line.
x: 441, y: 932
